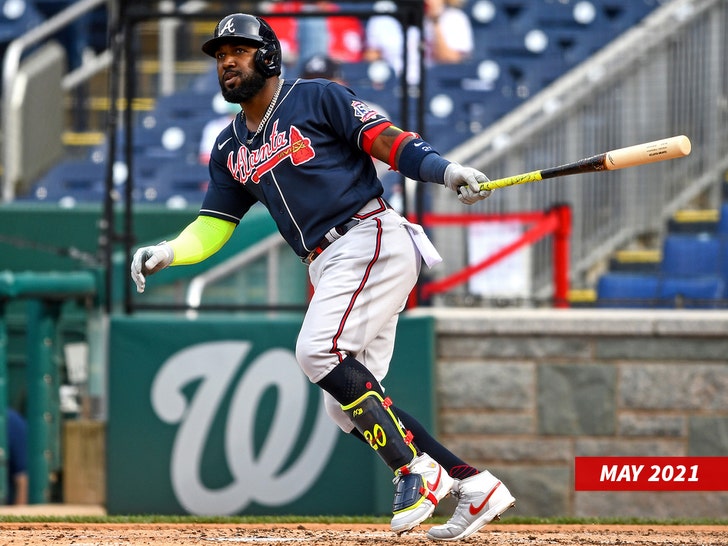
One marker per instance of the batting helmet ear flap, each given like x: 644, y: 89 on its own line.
x: 268, y: 60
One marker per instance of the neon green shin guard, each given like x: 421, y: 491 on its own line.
x: 372, y: 416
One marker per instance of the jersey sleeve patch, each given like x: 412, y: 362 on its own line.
x: 362, y: 111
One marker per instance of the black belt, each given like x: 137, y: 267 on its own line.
x: 339, y: 231
x: 333, y: 234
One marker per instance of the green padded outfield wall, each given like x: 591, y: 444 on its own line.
x: 42, y: 237
x: 212, y: 416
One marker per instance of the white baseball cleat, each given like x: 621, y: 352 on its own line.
x: 420, y: 486
x: 481, y: 499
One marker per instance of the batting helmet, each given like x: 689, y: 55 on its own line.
x: 248, y: 28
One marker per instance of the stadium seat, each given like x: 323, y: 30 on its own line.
x: 71, y: 182
x: 628, y: 290
x: 375, y: 83
x: 635, y: 261
x: 529, y: 75
x: 206, y: 82
x: 186, y: 105
x: 181, y: 185
x: 554, y: 14
x: 694, y: 221
x: 690, y: 255
x: 574, y: 45
x: 16, y: 18
x: 444, y: 134
x: 177, y: 140
x: 375, y: 76
x: 622, y: 14
x: 722, y: 227
x: 724, y: 264
x: 704, y: 292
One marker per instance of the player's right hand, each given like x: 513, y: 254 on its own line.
x: 148, y: 260
x: 465, y: 181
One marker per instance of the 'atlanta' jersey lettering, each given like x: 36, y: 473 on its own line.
x: 251, y: 165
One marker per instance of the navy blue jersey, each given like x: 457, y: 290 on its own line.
x: 306, y: 165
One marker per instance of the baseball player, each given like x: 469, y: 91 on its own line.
x: 304, y: 148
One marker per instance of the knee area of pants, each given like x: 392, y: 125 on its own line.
x: 313, y: 364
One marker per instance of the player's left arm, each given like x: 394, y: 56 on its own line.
x: 198, y: 241
x: 407, y: 153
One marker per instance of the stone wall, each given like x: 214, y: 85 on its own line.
x: 524, y: 392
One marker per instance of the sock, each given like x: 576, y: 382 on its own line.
x: 456, y: 467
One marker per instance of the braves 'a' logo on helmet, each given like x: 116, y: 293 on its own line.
x: 228, y: 27
x: 252, y: 30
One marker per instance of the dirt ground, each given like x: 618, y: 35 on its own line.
x: 76, y: 534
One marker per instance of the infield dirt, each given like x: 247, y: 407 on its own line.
x: 67, y: 534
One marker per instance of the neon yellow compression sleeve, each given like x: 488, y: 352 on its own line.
x: 200, y: 239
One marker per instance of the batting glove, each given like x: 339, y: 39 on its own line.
x: 465, y: 181
x: 148, y: 260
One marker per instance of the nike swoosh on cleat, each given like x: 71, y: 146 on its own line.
x: 434, y: 486
x: 475, y: 510
x: 221, y: 146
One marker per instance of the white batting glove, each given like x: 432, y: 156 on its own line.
x: 148, y: 260
x: 465, y: 181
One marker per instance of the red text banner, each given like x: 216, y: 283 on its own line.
x: 651, y: 474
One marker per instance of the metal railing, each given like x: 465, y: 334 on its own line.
x: 664, y: 77
x: 269, y: 247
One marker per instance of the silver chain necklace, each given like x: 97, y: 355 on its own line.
x: 268, y: 113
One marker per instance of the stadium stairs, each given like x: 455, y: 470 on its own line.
x: 688, y: 271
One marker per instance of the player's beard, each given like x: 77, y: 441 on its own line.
x: 249, y: 86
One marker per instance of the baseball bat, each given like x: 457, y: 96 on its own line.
x: 621, y: 158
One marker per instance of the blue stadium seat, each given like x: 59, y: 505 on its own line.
x: 704, y: 292
x: 690, y: 255
x: 187, y: 105
x: 174, y: 140
x: 461, y: 102
x: 181, y: 185
x: 574, y: 45
x: 206, y: 82
x: 443, y: 134
x: 724, y: 264
x: 622, y: 14
x: 496, y: 43
x: 627, y: 290
x: 554, y: 14
x: 722, y: 228
x: 375, y: 75
x: 453, y: 76
x: 529, y: 75
x: 16, y: 18
x: 377, y: 84
x: 478, y: 109
x: 71, y: 181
